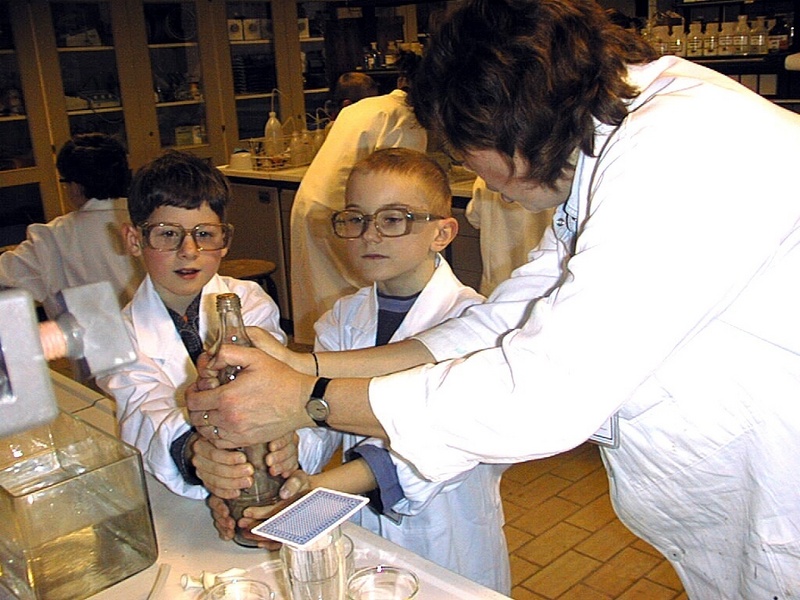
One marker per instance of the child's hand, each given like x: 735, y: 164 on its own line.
x: 224, y: 472
x: 298, y: 484
x: 282, y: 457
x: 207, y: 379
x: 266, y: 342
x: 223, y: 522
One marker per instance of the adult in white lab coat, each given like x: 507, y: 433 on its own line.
x: 507, y: 233
x: 85, y: 245
x: 149, y: 393
x: 319, y: 273
x: 456, y: 523
x: 666, y: 294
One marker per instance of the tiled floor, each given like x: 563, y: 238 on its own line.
x: 566, y: 542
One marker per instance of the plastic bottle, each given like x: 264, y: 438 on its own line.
x: 264, y: 490
x: 726, y: 39
x: 759, y: 37
x: 711, y: 40
x: 694, y: 41
x: 741, y: 37
x: 273, y: 136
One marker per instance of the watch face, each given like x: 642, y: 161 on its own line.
x: 317, y: 409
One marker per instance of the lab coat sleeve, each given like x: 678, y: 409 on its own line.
x: 658, y: 259
x: 417, y: 491
x: 150, y: 420
x: 34, y: 265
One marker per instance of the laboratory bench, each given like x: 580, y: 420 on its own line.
x: 188, y: 543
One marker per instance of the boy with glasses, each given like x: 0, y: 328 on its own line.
x: 177, y: 206
x: 396, y: 222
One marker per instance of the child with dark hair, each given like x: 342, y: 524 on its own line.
x: 177, y: 207
x: 83, y: 246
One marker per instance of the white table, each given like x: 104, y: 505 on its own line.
x: 188, y: 542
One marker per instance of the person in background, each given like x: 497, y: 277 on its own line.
x: 177, y: 228
x: 664, y: 296
x: 85, y: 245
x: 396, y: 222
x: 508, y: 233
x: 350, y: 88
x: 319, y: 272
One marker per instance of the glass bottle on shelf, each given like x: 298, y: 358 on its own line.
x: 177, y: 73
x: 264, y: 490
x: 252, y: 51
x: 726, y: 39
x: 741, y: 37
x: 88, y: 62
x: 711, y: 40
x: 16, y: 149
x: 694, y: 40
x: 779, y: 37
x: 677, y: 40
x: 759, y: 37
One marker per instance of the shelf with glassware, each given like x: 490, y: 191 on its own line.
x: 747, y: 41
x: 251, y: 41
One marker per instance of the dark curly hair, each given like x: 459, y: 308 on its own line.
x: 527, y: 76
x: 98, y: 163
x: 177, y: 179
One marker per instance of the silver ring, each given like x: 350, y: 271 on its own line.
x: 215, y: 431
x: 205, y: 417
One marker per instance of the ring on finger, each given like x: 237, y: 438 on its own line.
x: 205, y: 417
x: 215, y: 431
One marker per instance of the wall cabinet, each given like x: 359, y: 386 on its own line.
x: 197, y: 75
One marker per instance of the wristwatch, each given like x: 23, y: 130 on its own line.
x: 316, y: 407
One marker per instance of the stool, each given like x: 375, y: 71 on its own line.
x: 252, y: 269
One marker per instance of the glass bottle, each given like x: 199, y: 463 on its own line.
x: 677, y: 41
x: 779, y: 38
x: 264, y: 490
x: 759, y: 37
x: 741, y: 37
x: 694, y: 41
x: 711, y: 40
x: 726, y: 39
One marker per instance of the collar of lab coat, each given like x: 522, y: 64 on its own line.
x: 155, y: 332
x: 436, y: 302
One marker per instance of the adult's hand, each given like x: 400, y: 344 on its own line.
x: 264, y: 402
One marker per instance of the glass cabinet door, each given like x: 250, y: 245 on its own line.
x: 175, y: 61
x: 16, y: 150
x: 252, y: 55
x: 311, y: 19
x: 85, y: 44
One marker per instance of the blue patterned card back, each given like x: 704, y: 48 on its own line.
x: 314, y: 515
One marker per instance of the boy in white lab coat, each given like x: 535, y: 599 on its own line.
x: 395, y: 223
x: 177, y: 206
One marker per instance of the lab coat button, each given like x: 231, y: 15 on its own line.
x: 675, y: 554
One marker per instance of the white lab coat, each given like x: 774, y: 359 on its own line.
x: 149, y: 394
x: 457, y: 523
x: 319, y: 270
x: 78, y: 248
x: 678, y: 307
x: 507, y: 233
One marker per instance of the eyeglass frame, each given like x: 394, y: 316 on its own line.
x: 227, y: 234
x: 410, y: 218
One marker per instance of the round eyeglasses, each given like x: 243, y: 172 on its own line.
x: 390, y: 222
x: 168, y: 237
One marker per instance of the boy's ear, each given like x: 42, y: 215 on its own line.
x: 446, y: 231
x: 131, y: 239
